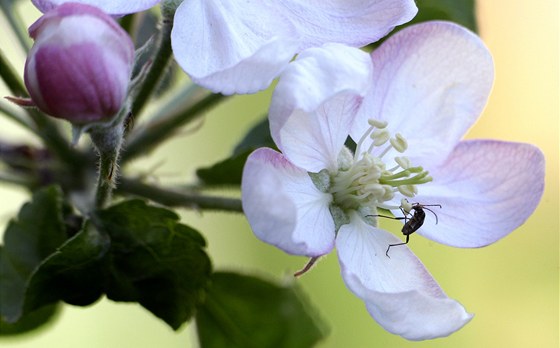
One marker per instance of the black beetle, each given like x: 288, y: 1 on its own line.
x: 413, y: 223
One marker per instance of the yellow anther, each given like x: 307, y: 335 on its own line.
x: 406, y: 205
x: 408, y: 190
x: 403, y: 162
x: 380, y: 137
x: 377, y: 123
x: 399, y: 143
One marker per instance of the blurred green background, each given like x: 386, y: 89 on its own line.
x: 511, y: 286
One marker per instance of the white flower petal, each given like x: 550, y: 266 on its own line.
x: 486, y: 188
x: 314, y: 140
x: 232, y: 46
x: 417, y: 316
x: 398, y: 290
x: 113, y: 7
x: 431, y: 82
x: 352, y: 22
x: 283, y: 206
x: 365, y: 265
x: 315, y: 101
x: 221, y: 44
x: 254, y: 73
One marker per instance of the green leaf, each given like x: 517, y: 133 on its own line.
x: 229, y: 170
x: 155, y: 260
x: 258, y: 136
x: 38, y: 230
x: 459, y: 11
x: 242, y: 311
x: 138, y: 253
x: 74, y: 273
x: 12, y: 287
x: 32, y: 321
x: 225, y: 172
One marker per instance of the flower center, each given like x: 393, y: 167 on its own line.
x: 363, y: 180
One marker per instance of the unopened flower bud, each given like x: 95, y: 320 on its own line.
x: 79, y: 67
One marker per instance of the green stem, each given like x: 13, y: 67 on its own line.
x: 158, y: 130
x: 56, y: 142
x: 162, y: 57
x: 19, y: 119
x: 10, y: 77
x: 107, y: 141
x: 174, y: 198
x: 16, y: 23
x: 106, y: 180
x: 19, y: 180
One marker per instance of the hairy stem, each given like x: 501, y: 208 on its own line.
x: 107, y: 141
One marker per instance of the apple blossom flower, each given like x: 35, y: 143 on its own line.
x: 79, y: 66
x: 241, y: 46
x: 407, y: 109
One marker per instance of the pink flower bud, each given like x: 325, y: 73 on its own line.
x: 79, y: 67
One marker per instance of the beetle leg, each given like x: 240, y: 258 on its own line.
x: 390, y: 217
x: 392, y: 245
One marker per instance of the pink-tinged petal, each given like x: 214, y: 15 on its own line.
x: 232, y: 46
x: 431, y: 82
x: 114, y: 7
x: 74, y: 10
x: 398, y: 291
x: 486, y: 189
x: 69, y: 93
x: 352, y: 22
x: 315, y: 102
x: 283, y: 206
x: 79, y: 66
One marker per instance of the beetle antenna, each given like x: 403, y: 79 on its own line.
x: 430, y: 210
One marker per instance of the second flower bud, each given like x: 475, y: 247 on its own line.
x: 79, y: 67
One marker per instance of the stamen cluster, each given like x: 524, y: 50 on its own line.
x: 363, y: 180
